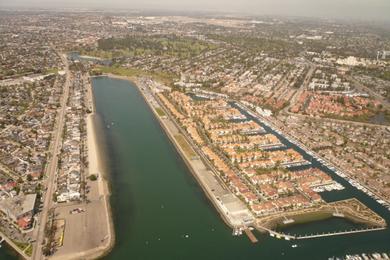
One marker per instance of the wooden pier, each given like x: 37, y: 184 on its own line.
x: 250, y: 235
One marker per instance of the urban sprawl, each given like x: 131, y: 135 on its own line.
x: 277, y: 111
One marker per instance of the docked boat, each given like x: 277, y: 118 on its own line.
x: 288, y: 221
x: 237, y: 232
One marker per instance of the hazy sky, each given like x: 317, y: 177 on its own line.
x: 358, y: 9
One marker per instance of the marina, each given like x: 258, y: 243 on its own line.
x: 313, y: 159
x: 329, y: 187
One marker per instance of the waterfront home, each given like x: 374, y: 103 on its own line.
x: 263, y: 208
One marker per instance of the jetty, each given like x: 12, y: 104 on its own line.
x: 250, y: 235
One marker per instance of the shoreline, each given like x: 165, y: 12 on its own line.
x: 95, y: 167
x: 313, y: 215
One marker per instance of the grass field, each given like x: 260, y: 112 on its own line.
x: 52, y: 70
x: 29, y: 250
x: 185, y: 146
x: 160, y: 112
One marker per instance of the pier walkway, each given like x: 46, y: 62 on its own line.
x: 280, y: 235
x: 277, y: 234
x: 339, y: 233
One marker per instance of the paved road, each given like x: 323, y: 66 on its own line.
x: 51, y: 169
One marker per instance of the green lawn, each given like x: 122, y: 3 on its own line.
x: 29, y: 250
x: 185, y: 146
x: 52, y: 70
x: 160, y: 112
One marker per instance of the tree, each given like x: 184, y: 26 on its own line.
x: 93, y: 177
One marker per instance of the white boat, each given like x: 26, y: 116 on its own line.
x: 288, y: 221
x: 294, y: 246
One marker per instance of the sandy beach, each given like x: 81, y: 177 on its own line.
x: 95, y: 167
